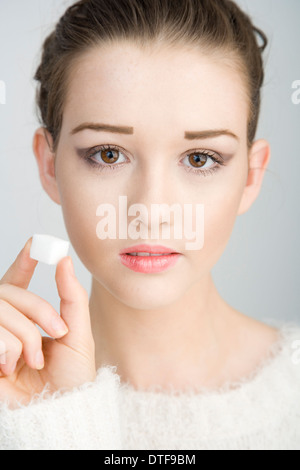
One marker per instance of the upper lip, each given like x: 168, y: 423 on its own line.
x: 148, y: 249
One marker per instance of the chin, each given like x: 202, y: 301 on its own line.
x: 142, y: 296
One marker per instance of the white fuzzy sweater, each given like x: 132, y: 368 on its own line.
x: 262, y: 411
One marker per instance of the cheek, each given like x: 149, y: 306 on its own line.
x: 79, y: 205
x: 220, y: 212
x: 80, y: 221
x: 79, y: 201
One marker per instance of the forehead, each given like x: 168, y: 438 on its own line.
x: 178, y: 87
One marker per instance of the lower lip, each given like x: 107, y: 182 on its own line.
x: 149, y: 264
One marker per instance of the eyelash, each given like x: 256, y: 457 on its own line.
x: 102, y: 167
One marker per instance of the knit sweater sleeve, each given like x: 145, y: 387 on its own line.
x: 85, y: 418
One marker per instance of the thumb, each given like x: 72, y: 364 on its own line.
x: 74, y: 308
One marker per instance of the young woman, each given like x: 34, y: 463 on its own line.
x: 157, y: 101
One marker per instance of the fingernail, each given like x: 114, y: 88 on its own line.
x: 59, y: 327
x: 28, y: 242
x: 12, y: 368
x: 39, y: 360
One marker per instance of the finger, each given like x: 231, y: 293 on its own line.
x: 74, y: 307
x: 25, y: 331
x: 35, y: 308
x: 11, y: 349
x: 21, y: 271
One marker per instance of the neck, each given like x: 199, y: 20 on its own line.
x: 177, y: 345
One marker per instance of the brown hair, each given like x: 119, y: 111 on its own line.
x: 209, y: 25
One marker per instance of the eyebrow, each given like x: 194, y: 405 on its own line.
x: 103, y: 127
x: 189, y: 135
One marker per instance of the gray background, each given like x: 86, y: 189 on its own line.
x: 259, y: 271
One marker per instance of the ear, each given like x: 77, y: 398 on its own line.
x: 259, y: 156
x: 42, y: 145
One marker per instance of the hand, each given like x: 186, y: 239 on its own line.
x: 67, y: 358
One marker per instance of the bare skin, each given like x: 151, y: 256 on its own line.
x: 172, y: 328
x: 64, y: 360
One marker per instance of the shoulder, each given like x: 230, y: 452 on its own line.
x: 268, y: 348
x: 273, y: 384
x: 282, y: 359
x: 281, y: 339
x: 290, y: 349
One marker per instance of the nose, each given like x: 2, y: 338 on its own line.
x: 153, y: 195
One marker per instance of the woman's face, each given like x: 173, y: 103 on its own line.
x: 160, y: 96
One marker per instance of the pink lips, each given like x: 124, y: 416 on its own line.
x: 149, y: 264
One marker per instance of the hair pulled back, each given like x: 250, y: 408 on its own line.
x: 209, y: 25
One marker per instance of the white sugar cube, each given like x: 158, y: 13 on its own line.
x: 48, y: 249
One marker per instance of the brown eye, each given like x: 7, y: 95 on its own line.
x: 108, y: 156
x: 198, y: 160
